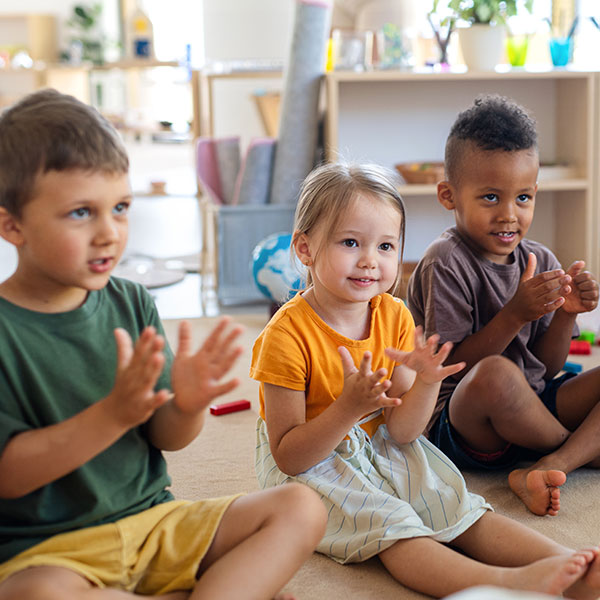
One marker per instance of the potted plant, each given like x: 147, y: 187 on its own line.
x: 482, y: 39
x: 87, y: 39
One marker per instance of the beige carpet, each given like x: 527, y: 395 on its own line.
x: 221, y: 461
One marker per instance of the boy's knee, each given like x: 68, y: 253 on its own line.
x: 305, y: 507
x: 21, y: 587
x: 495, y: 379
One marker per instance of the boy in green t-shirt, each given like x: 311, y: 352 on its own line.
x: 85, y: 400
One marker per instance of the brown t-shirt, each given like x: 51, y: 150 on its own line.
x: 455, y: 292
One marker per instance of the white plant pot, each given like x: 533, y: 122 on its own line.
x: 481, y: 46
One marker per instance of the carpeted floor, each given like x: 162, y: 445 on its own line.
x: 221, y: 461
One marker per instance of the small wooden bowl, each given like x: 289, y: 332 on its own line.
x: 421, y: 172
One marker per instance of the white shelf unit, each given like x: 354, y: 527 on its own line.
x: 391, y: 117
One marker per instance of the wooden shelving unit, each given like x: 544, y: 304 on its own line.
x: 394, y: 116
x: 204, y: 81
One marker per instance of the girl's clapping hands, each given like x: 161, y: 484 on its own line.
x: 426, y: 360
x: 364, y: 390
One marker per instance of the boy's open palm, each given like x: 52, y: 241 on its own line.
x: 364, y: 391
x: 133, y: 400
x: 584, y: 290
x: 195, y: 377
x: 426, y: 360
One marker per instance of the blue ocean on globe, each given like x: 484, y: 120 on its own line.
x: 275, y: 275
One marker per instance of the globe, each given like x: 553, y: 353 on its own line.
x: 275, y: 275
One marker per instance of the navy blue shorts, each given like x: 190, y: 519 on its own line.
x: 449, y: 441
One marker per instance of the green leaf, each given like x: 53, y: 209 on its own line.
x: 484, y: 11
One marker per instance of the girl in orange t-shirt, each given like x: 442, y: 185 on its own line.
x: 347, y: 387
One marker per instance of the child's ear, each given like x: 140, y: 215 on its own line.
x: 10, y: 228
x: 445, y: 194
x: 302, y: 248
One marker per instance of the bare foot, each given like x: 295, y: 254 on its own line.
x: 588, y: 587
x: 592, y: 577
x: 551, y: 575
x: 537, y: 489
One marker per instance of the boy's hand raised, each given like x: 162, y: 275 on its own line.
x: 539, y: 294
x: 195, y: 377
x: 584, y: 292
x: 133, y: 399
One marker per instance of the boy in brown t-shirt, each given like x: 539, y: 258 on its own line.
x: 510, y: 310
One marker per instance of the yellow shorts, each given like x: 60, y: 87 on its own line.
x: 154, y: 552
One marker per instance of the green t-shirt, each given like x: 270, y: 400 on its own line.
x: 53, y: 366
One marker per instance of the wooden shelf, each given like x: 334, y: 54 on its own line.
x: 550, y: 185
x: 137, y: 64
x: 388, y: 117
x: 456, y: 74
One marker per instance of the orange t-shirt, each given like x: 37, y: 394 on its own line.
x: 298, y: 350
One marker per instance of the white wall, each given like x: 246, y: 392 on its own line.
x: 239, y: 30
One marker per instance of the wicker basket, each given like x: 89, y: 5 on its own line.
x: 421, y: 172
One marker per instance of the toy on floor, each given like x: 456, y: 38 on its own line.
x: 580, y: 347
x: 573, y: 367
x: 588, y: 336
x: 228, y: 407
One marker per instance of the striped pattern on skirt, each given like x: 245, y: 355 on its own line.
x: 378, y: 492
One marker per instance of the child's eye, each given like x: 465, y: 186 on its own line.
x: 80, y: 213
x: 491, y: 197
x: 122, y: 208
x: 523, y: 199
x: 386, y: 246
x: 350, y: 243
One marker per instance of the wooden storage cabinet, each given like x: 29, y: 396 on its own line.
x: 391, y: 117
x: 35, y: 33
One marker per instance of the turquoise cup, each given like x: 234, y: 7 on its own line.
x: 561, y: 51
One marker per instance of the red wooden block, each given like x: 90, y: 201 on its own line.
x: 223, y: 409
x: 580, y: 347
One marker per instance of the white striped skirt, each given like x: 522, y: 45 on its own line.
x: 378, y: 492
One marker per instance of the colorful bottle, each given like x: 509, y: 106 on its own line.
x: 141, y: 35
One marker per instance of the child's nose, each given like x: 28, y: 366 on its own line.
x: 507, y: 212
x: 368, y: 259
x: 107, y: 231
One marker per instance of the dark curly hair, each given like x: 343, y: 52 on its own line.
x: 492, y: 123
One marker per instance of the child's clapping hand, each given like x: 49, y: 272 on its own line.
x: 426, y: 360
x: 364, y: 390
x: 584, y: 290
x: 195, y: 377
x: 133, y: 400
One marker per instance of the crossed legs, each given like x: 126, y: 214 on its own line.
x: 494, y: 405
x: 262, y: 540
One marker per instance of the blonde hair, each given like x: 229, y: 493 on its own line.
x: 329, y: 190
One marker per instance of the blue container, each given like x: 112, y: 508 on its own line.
x: 141, y: 48
x: 561, y: 51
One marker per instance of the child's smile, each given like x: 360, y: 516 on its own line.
x: 359, y: 258
x: 494, y: 200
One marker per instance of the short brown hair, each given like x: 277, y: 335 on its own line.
x: 50, y: 131
x: 330, y: 189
